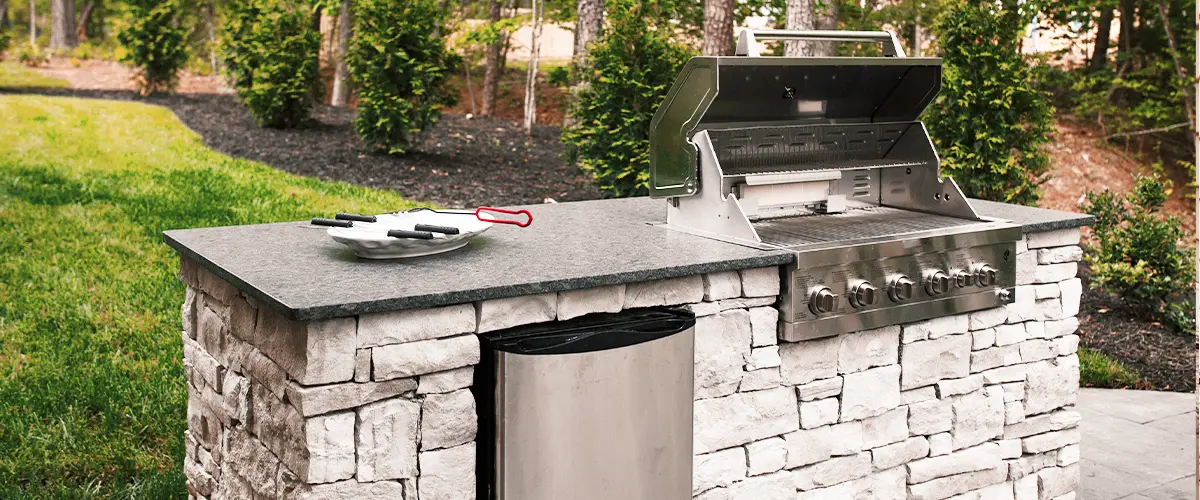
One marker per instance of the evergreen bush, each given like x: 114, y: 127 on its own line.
x: 1138, y: 254
x: 629, y: 69
x: 989, y: 122
x: 270, y: 51
x: 5, y: 39
x: 399, y: 66
x: 155, y: 43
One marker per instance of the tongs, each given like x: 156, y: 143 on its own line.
x: 425, y: 231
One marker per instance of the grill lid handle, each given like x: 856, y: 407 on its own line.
x: 746, y: 45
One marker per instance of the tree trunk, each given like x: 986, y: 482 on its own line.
x: 341, y: 74
x: 917, y: 39
x: 492, y: 69
x: 799, y: 17
x: 535, y: 46
x: 211, y: 19
x: 32, y: 23
x: 718, y: 27
x: 81, y: 33
x: 1125, y: 38
x: 62, y: 25
x: 587, y: 27
x: 1100, y: 49
x: 3, y: 14
x: 826, y: 19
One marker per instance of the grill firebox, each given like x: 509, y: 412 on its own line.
x: 826, y: 157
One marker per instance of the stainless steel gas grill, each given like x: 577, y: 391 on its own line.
x: 825, y: 157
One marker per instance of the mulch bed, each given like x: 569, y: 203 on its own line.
x: 1166, y: 360
x: 459, y: 163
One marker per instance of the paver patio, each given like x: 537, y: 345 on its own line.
x: 1137, y: 445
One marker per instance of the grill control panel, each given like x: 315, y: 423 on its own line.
x: 859, y: 287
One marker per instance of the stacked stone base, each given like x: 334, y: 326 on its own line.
x: 973, y: 406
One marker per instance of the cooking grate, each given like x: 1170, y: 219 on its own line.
x: 872, y: 222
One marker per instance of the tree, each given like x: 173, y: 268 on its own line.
x: 1103, y: 34
x: 62, y: 25
x: 81, y: 29
x: 718, y: 27
x: 269, y: 48
x: 799, y: 17
x: 493, y: 66
x: 341, y: 75
x: 4, y: 23
x: 590, y: 13
x: 155, y: 43
x: 532, y: 71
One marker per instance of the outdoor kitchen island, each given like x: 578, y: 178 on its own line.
x: 315, y: 374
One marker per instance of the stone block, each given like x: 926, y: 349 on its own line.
x: 946, y: 487
x: 1062, y: 419
x: 264, y: 371
x: 1026, y: 267
x: 808, y: 446
x: 833, y: 471
x: 723, y: 285
x: 199, y: 481
x: 766, y: 456
x: 846, y: 438
x: 718, y: 469
x: 701, y: 309
x: 204, y: 367
x: 892, y: 455
x: 1002, y: 491
x: 1054, y: 273
x: 398, y: 327
x: 448, y: 420
x: 1058, y: 255
x: 884, y: 485
x: 937, y: 327
x: 1010, y: 334
x: 243, y: 317
x: 1068, y: 455
x: 387, y: 439
x: 423, y: 357
x: 1019, y: 312
x: 743, y: 417
x: 1014, y: 373
x: 362, y: 366
x: 826, y: 388
x: 498, y: 314
x: 996, y: 357
x: 763, y: 357
x: 1013, y: 391
x: 1057, y: 481
x: 215, y: 287
x: 1048, y: 309
x: 601, y: 299
x: 891, y: 427
x: 804, y: 362
x: 280, y: 427
x: 745, y: 303
x: 1035, y: 329
x: 188, y: 312
x: 448, y: 474
x: 983, y: 339
x: 872, y: 392
x: 764, y: 326
x: 757, y: 380
x: 987, y: 318
x: 1059, y: 328
x: 940, y: 444
x: 311, y: 352
x: 1051, y: 384
x: 817, y: 413
x: 954, y: 387
x: 917, y: 395
x: 253, y: 462
x: 316, y: 400
x: 761, y: 282
x: 666, y: 292
x: 1049, y: 441
x: 1072, y: 292
x: 188, y: 271
x: 1030, y: 464
x: 1046, y: 291
x: 777, y: 486
x: 203, y: 422
x: 1066, y: 346
x: 981, y: 457
x: 1037, y: 350
x: 1009, y: 448
x: 445, y: 381
x: 1025, y: 488
x: 236, y: 397
x: 721, y: 351
x: 351, y: 490
x: 1014, y: 412
x: 1056, y: 238
x: 330, y: 443
x: 927, y: 362
x: 978, y: 417
x: 868, y: 349
x: 929, y: 417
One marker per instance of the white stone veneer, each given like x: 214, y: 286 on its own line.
x: 970, y: 407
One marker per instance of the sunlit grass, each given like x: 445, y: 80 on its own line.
x: 1098, y: 370
x: 14, y: 76
x: 92, y: 395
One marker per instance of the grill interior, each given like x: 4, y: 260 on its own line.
x: 863, y: 223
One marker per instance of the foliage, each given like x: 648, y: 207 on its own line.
x: 155, y: 43
x: 33, y: 56
x: 630, y: 68
x: 269, y: 49
x: 90, y: 364
x: 5, y: 39
x: 559, y: 76
x: 1139, y: 255
x: 1098, y: 370
x: 400, y: 68
x: 989, y: 123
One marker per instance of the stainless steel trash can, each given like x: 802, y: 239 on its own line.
x: 595, y: 408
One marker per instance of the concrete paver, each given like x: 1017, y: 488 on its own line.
x: 1137, y: 445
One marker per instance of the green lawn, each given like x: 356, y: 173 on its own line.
x: 91, y: 385
x: 1098, y: 370
x: 16, y: 76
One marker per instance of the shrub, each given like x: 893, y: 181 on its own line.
x: 5, y: 39
x: 270, y: 48
x: 1138, y: 254
x: 33, y: 56
x: 989, y: 122
x: 399, y: 66
x: 629, y: 69
x: 155, y: 43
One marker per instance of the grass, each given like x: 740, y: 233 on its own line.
x: 91, y: 383
x: 14, y: 76
x: 1098, y: 370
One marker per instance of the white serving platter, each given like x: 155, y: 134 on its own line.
x: 369, y: 240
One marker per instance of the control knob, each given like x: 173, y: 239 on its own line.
x: 900, y: 288
x: 822, y: 300
x: 864, y: 294
x: 937, y: 283
x: 985, y: 275
x: 963, y: 278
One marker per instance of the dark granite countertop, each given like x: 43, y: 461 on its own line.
x: 305, y: 275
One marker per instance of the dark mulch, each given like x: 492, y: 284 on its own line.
x: 1165, y: 359
x: 459, y: 163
